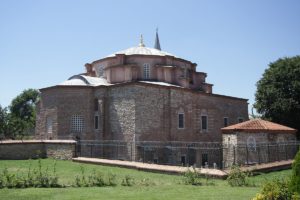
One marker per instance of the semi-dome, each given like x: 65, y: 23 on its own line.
x: 82, y: 80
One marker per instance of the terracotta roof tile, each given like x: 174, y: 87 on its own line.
x: 258, y: 126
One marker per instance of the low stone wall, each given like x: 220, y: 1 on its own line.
x: 26, y: 149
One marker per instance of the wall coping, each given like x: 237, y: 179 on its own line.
x: 38, y: 142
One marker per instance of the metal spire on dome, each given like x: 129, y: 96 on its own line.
x: 141, y: 41
x: 157, y: 44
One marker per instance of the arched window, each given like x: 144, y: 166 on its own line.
x: 181, y: 119
x: 100, y: 71
x: 251, y: 143
x: 146, y: 70
x: 49, y: 125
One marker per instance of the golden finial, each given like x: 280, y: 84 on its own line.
x: 141, y: 41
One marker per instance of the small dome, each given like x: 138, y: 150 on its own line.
x: 141, y: 50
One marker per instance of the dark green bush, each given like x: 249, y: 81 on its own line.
x: 237, y: 177
x: 192, y: 177
x: 112, y: 179
x: 128, y: 181
x: 277, y: 189
x: 295, y: 179
x: 34, y: 178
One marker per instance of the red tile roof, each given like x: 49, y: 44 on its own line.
x: 258, y: 126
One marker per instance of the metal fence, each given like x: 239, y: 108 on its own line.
x: 198, y: 154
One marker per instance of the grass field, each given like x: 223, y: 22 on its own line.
x: 162, y: 186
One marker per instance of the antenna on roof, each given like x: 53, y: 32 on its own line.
x: 157, y: 44
x: 141, y: 41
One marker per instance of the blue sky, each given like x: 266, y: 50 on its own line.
x: 43, y: 43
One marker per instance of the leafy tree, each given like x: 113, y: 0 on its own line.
x: 3, y: 122
x: 295, y: 179
x: 278, y: 92
x: 23, y: 113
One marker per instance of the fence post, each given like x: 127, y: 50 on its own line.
x: 268, y: 149
x: 91, y: 150
x: 117, y: 146
x: 258, y: 153
x: 143, y: 154
x: 234, y: 156
x: 277, y: 151
x: 221, y: 157
x: 285, y: 151
x: 131, y: 150
x: 247, y: 154
x: 188, y: 157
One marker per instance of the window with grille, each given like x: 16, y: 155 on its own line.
x: 146, y: 71
x: 180, y: 120
x: 49, y: 125
x: 77, y: 123
x: 204, y: 122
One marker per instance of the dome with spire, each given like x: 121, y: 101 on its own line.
x: 141, y: 49
x: 141, y: 63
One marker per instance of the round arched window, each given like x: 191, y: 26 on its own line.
x: 251, y: 143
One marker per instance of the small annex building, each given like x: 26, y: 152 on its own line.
x: 257, y: 141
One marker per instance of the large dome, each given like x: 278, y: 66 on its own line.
x: 141, y: 50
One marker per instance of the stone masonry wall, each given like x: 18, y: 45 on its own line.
x: 268, y: 147
x: 140, y: 112
x: 30, y: 149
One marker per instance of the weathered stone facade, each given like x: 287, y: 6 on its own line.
x: 137, y: 112
x: 31, y: 149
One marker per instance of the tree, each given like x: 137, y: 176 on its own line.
x: 23, y: 113
x: 278, y: 92
x: 3, y: 122
x: 295, y: 179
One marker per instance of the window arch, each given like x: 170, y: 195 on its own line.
x: 49, y: 125
x: 146, y: 70
x: 251, y: 143
x: 100, y: 71
x: 181, y: 119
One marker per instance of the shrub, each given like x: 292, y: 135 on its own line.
x: 277, y: 189
x: 80, y: 181
x: 295, y: 179
x: 146, y: 182
x: 128, y: 181
x: 98, y: 179
x: 192, y: 177
x: 95, y: 179
x: 237, y: 177
x: 112, y: 180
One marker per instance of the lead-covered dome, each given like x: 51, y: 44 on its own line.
x: 142, y: 50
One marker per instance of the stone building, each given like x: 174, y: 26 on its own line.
x: 258, y: 141
x: 138, y: 94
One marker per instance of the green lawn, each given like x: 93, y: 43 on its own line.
x: 162, y: 186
